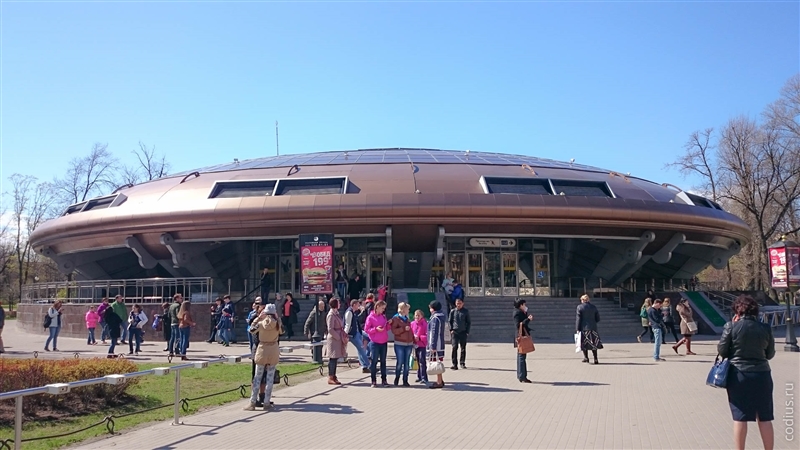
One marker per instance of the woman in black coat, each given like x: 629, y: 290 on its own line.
x: 749, y: 344
x: 521, y: 317
x: 114, y: 323
x: 586, y: 319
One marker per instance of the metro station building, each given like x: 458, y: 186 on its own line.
x: 504, y: 225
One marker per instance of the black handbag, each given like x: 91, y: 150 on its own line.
x: 718, y: 375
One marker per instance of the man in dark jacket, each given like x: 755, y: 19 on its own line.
x: 216, y: 314
x: 355, y: 287
x: 459, y: 331
x: 322, y: 325
x: 657, y: 324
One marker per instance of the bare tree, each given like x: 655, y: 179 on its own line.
x: 150, y: 166
x: 88, y: 176
x: 754, y: 170
x: 698, y: 159
x: 32, y: 203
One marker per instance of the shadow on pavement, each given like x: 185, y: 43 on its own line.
x: 569, y: 383
x: 475, y: 387
x: 327, y: 408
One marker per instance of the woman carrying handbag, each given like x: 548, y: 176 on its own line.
x: 524, y: 343
x: 436, y: 344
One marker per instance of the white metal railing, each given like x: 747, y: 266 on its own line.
x: 63, y: 388
x: 140, y: 290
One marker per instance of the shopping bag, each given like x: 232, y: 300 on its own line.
x: 524, y: 342
x: 412, y: 362
x: 577, y: 342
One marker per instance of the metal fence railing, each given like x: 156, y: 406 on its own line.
x: 141, y: 290
x: 63, y: 388
x: 178, y: 403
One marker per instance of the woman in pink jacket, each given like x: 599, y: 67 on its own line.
x: 420, y: 329
x: 377, y: 328
x: 92, y: 319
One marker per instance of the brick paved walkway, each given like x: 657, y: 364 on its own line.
x: 626, y: 402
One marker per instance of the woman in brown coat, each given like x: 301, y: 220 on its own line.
x: 267, y: 355
x: 688, y: 326
x: 336, y: 344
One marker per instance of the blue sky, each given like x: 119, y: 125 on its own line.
x: 618, y: 85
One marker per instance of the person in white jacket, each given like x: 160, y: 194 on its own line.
x: 136, y: 321
x: 353, y: 329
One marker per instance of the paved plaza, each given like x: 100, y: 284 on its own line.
x: 626, y: 402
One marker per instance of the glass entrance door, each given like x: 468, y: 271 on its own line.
x: 455, y: 266
x: 492, y: 274
x: 376, y: 271
x: 286, y: 274
x: 542, y: 261
x: 475, y: 274
x: 509, y: 274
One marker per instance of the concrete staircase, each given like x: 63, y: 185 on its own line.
x: 554, y: 319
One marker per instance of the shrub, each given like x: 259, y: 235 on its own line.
x: 18, y: 374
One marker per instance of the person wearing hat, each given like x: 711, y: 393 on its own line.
x: 252, y: 315
x: 266, y: 356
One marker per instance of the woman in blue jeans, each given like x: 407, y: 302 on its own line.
x: 185, y: 324
x: 403, y: 342
x: 55, y: 325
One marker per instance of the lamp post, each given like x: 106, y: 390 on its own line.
x: 784, y: 263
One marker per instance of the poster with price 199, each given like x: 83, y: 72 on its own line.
x: 316, y: 263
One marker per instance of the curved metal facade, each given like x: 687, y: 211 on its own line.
x: 421, y: 195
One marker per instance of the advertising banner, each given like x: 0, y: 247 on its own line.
x: 777, y: 265
x: 793, y: 266
x: 316, y: 264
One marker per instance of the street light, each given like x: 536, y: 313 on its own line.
x: 784, y: 263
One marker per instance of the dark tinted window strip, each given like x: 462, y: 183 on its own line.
x: 99, y: 203
x: 243, y: 189
x: 581, y: 188
x: 311, y: 186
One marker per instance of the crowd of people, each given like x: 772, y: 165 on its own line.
x: 419, y: 343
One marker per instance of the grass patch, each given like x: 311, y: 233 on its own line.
x: 151, y: 391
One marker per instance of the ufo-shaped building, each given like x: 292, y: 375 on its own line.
x: 504, y: 225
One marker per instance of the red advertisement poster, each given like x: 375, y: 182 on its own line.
x: 316, y: 264
x: 777, y: 265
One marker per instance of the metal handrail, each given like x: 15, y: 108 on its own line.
x: 63, y: 388
x: 140, y: 290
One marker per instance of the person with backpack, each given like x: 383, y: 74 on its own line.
x: 52, y: 322
x: 114, y: 324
